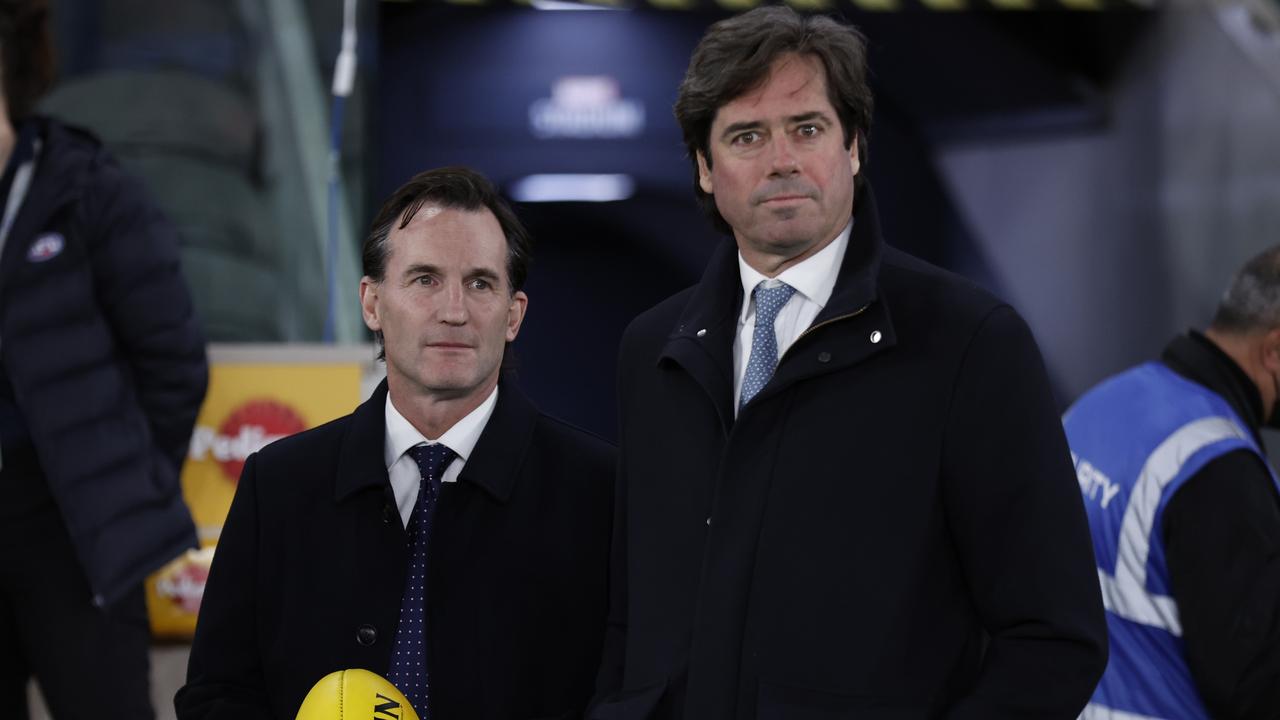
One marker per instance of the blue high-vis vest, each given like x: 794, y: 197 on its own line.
x: 1135, y: 440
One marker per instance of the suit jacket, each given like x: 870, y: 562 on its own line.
x: 310, y: 569
x: 891, y: 528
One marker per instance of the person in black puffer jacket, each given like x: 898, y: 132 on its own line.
x: 102, y: 372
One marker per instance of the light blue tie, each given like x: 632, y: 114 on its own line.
x: 764, y: 342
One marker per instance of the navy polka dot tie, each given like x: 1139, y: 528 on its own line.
x: 764, y: 343
x: 409, y: 656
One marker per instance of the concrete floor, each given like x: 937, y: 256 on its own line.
x: 168, y: 671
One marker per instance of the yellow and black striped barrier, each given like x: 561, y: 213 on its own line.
x: 835, y: 5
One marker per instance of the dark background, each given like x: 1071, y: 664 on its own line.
x: 455, y: 86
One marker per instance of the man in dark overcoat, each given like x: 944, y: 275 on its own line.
x: 447, y: 534
x: 844, y: 490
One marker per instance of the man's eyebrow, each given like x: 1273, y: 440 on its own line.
x: 484, y: 272
x: 735, y: 128
x: 805, y: 117
x: 429, y: 269
x: 421, y: 269
x: 744, y: 125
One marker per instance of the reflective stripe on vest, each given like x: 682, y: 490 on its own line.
x: 1101, y: 712
x: 1125, y: 593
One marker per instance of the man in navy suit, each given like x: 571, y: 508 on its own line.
x: 446, y: 534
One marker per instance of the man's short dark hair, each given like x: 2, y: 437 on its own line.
x: 458, y: 188
x: 1252, y: 300
x: 26, y: 53
x: 735, y: 57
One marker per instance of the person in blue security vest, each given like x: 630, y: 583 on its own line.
x: 1184, y: 511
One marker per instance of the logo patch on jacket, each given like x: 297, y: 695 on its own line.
x: 46, y: 247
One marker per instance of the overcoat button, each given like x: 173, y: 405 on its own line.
x: 367, y: 635
x: 875, y: 336
x: 824, y: 357
x: 708, y: 522
x: 702, y: 332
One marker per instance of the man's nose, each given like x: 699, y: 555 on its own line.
x: 783, y: 158
x: 453, y: 305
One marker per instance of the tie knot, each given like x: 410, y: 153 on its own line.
x: 769, y: 300
x: 431, y: 459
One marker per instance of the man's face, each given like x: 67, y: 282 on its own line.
x: 444, y: 306
x: 780, y: 173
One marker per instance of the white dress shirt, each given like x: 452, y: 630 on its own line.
x: 813, y: 278
x: 401, y: 435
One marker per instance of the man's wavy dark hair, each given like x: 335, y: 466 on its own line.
x: 735, y: 57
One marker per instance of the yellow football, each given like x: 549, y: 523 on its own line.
x: 355, y: 695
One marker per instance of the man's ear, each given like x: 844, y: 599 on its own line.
x: 1271, y: 350
x: 704, y: 174
x: 855, y: 163
x: 515, y: 314
x: 369, y: 303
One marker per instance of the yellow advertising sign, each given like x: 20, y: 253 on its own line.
x: 249, y: 404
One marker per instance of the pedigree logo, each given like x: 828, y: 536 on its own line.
x: 246, y: 430
x: 182, y: 581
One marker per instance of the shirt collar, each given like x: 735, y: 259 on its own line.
x: 814, y: 277
x: 1199, y: 359
x: 461, y: 438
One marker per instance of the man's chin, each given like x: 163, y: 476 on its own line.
x: 450, y: 387
x: 441, y: 386
x: 790, y: 243
x: 456, y: 386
